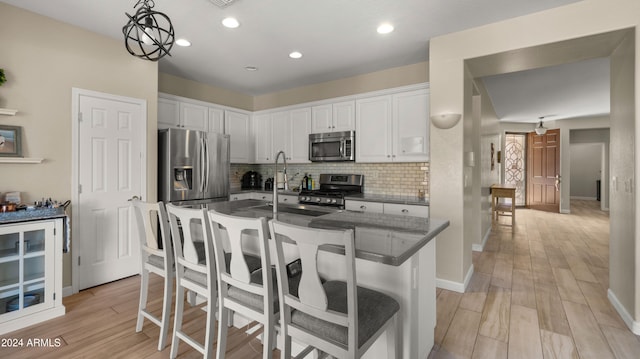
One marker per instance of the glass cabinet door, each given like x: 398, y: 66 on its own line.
x: 24, y: 261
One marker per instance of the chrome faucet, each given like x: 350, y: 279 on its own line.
x: 275, y: 181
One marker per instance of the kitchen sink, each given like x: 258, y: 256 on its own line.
x: 300, y: 209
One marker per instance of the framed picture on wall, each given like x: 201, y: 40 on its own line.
x: 10, y: 141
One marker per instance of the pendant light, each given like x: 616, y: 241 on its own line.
x: 541, y: 130
x: 148, y: 34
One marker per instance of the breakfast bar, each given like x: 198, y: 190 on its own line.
x: 394, y: 254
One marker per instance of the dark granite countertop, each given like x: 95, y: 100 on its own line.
x: 388, y: 198
x: 31, y: 215
x: 384, y: 238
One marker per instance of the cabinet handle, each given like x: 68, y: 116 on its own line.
x: 264, y: 197
x: 388, y: 156
x: 405, y: 211
x: 284, y: 199
x: 363, y: 207
x: 394, y: 156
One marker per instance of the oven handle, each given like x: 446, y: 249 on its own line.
x: 342, y: 146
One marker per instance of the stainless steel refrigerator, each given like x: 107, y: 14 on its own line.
x: 193, y: 167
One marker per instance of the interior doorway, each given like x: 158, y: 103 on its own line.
x: 515, y: 158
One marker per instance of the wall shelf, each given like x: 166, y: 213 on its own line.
x: 20, y: 160
x: 8, y: 111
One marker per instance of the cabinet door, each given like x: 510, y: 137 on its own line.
x: 344, y: 116
x: 321, y: 119
x: 406, y: 210
x: 216, y: 120
x: 411, y: 126
x: 373, y: 129
x: 280, y: 133
x: 194, y: 117
x: 300, y: 127
x: 168, y: 113
x: 240, y: 196
x: 236, y: 125
x: 283, y: 198
x: 262, y: 126
x: 364, y: 206
x: 262, y: 196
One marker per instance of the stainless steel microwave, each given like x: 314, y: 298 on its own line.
x: 332, y: 146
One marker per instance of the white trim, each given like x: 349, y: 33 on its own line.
x: 634, y: 326
x: 21, y: 160
x: 389, y: 91
x: 456, y: 286
x: 584, y: 198
x: 565, y: 211
x: 67, y: 291
x: 479, y: 247
x: 75, y: 160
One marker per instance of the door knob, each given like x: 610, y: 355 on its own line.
x: 133, y: 198
x: 557, y: 183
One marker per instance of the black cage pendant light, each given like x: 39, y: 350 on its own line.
x: 148, y: 34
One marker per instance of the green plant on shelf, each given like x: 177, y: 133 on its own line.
x: 3, y: 78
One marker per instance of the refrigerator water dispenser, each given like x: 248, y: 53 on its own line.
x: 182, y: 178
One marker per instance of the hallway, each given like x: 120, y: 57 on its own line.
x: 537, y: 291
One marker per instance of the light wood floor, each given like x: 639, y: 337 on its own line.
x: 539, y: 291
x: 100, y: 323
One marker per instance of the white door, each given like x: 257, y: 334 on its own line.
x: 111, y: 146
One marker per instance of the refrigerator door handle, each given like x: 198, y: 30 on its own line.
x: 206, y: 176
x: 202, y: 158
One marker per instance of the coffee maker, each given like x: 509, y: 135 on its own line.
x: 251, y: 180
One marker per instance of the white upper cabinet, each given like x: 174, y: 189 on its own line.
x: 286, y: 131
x: 393, y: 128
x: 262, y: 138
x: 168, y: 113
x: 339, y: 116
x: 193, y: 116
x: 411, y: 126
x: 300, y: 128
x: 216, y: 120
x: 374, y: 129
x: 237, y: 126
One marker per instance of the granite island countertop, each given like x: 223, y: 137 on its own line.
x: 389, y: 198
x: 31, y: 215
x: 383, y: 238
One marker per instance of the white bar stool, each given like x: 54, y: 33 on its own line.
x: 150, y: 217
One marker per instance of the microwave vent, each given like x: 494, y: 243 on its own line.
x: 222, y: 3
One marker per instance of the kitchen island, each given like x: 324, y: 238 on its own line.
x: 394, y: 254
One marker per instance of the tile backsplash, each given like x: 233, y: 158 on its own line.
x: 379, y: 178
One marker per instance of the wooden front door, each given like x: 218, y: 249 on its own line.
x: 543, y: 171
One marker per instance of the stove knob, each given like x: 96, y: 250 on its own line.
x: 318, y: 200
x: 334, y: 201
x: 328, y: 200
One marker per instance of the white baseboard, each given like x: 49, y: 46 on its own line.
x: 584, y: 198
x: 455, y: 286
x: 633, y: 325
x: 480, y: 247
x: 67, y: 291
x: 565, y: 211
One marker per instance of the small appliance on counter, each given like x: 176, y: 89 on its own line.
x: 251, y: 180
x: 268, y: 184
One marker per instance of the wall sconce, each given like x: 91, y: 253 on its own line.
x: 446, y: 120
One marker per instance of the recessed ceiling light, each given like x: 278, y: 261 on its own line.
x: 385, y: 28
x: 251, y: 68
x: 295, y: 55
x: 183, y: 42
x: 230, y: 22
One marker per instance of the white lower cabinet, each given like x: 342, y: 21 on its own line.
x: 364, y: 206
x: 264, y: 196
x: 387, y: 208
x: 30, y: 273
x: 284, y: 198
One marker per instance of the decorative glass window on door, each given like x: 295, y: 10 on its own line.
x: 514, y: 164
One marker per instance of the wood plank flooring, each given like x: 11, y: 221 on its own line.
x: 539, y: 291
x: 100, y: 323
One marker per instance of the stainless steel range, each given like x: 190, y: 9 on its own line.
x: 333, y: 189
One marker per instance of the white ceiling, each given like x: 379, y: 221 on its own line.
x: 337, y: 39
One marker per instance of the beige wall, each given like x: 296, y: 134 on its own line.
x: 389, y: 78
x: 623, y: 247
x: 448, y: 54
x: 43, y: 59
x: 179, y: 86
